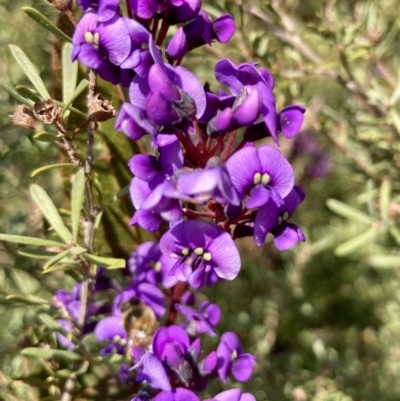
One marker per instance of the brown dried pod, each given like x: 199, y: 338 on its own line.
x: 24, y: 116
x: 47, y: 111
x: 101, y: 110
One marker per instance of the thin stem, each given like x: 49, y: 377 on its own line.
x: 193, y: 213
x: 129, y: 10
x: 163, y: 33
x: 229, y: 143
x: 68, y: 388
x: 154, y: 28
x: 199, y: 134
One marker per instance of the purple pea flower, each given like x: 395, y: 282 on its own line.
x: 235, y: 394
x: 232, y: 360
x: 151, y: 370
x: 64, y: 338
x: 273, y: 219
x: 211, y: 182
x: 203, y: 251
x: 201, y: 321
x: 148, y: 264
x: 246, y: 75
x: 96, y: 41
x: 106, y: 8
x: 110, y: 329
x: 262, y: 173
x: 179, y: 394
x: 198, y: 32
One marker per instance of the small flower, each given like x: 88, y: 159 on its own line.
x: 262, y: 173
x: 232, y: 360
x: 274, y: 219
x: 202, y: 251
x: 179, y: 394
x: 235, y: 394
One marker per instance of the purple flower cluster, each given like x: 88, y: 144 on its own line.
x: 205, y: 184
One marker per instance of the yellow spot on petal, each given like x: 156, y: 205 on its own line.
x: 199, y: 251
x: 116, y: 338
x: 257, y: 178
x: 285, y: 216
x: 185, y: 252
x: 265, y: 178
x: 207, y: 256
x: 96, y: 38
x: 157, y: 266
x: 89, y: 37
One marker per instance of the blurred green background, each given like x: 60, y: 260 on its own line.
x: 324, y: 318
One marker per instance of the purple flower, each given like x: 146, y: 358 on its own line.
x: 179, y: 394
x: 273, y: 219
x: 95, y: 41
x: 201, y: 321
x: 202, y: 250
x: 147, y: 263
x: 246, y: 75
x: 212, y: 182
x: 198, y: 32
x: 232, y: 360
x: 65, y: 338
x: 261, y: 173
x: 235, y: 394
x: 106, y: 8
x: 110, y: 329
x: 152, y: 371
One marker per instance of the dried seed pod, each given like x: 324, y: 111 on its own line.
x: 23, y: 116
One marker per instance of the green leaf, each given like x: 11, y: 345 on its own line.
x: 78, y: 90
x: 355, y: 243
x: 111, y: 263
x: 28, y: 93
x: 51, y: 353
x: 384, y: 198
x: 50, y: 212
x: 29, y: 300
x: 20, y: 239
x: 344, y: 210
x: 69, y: 75
x: 30, y: 71
x: 49, y: 167
x: 56, y: 259
x: 384, y: 261
x: 77, y: 196
x: 36, y: 253
x: 46, y: 137
x: 50, y: 322
x: 45, y: 23
x: 12, y: 92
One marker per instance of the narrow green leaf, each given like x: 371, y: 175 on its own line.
x: 49, y: 167
x: 46, y: 137
x: 60, y: 268
x: 384, y: 198
x: 12, y: 92
x: 29, y: 300
x: 111, y: 263
x: 344, y: 210
x: 50, y: 212
x: 77, y: 195
x: 45, y: 23
x: 69, y: 75
x: 27, y: 93
x: 78, y: 90
x: 36, y: 253
x: 56, y: 259
x: 50, y: 322
x: 30, y: 71
x: 20, y: 239
x: 47, y: 353
x: 384, y: 261
x: 355, y: 243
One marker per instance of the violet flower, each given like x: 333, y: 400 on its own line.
x: 203, y: 251
x: 106, y: 9
x: 110, y: 329
x: 232, y: 360
x: 273, y: 219
x: 235, y: 394
x: 179, y: 394
x: 261, y: 173
x: 95, y: 41
x: 201, y: 321
x: 148, y: 264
